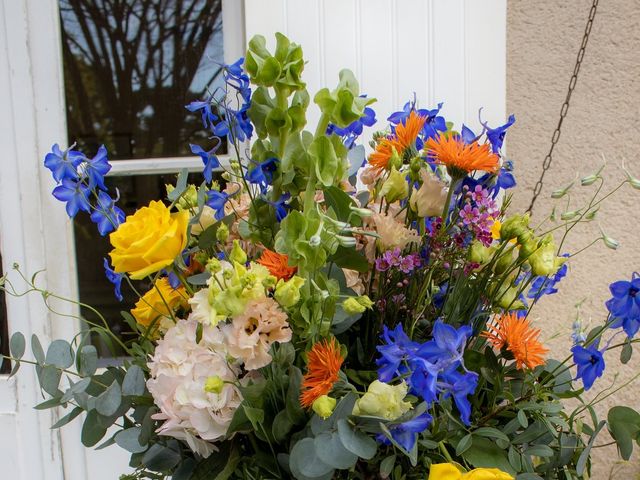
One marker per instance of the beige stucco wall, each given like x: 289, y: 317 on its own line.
x: 543, y: 37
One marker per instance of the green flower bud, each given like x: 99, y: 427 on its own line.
x: 213, y: 265
x: 352, y: 307
x: 383, y: 400
x: 569, y: 215
x: 222, y: 233
x: 562, y: 191
x: 287, y: 293
x: 395, y: 187
x: 395, y: 161
x: 237, y: 254
x: 506, y: 296
x: 478, y: 253
x: 528, y: 244
x: 345, y: 241
x: 589, y: 180
x: 323, y: 406
x: 544, y: 261
x: 214, y: 385
x: 361, y: 212
x: 514, y: 226
x: 504, y: 262
x: 609, y: 242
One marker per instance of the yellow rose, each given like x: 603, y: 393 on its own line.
x: 153, y: 304
x: 448, y: 471
x: 149, y: 240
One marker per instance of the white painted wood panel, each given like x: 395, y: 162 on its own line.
x: 450, y: 51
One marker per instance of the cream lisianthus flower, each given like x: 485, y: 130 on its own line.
x: 383, y: 400
x: 429, y: 199
x: 393, y: 234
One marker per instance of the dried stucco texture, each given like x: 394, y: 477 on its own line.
x: 543, y: 38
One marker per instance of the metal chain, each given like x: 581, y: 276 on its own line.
x: 565, y: 106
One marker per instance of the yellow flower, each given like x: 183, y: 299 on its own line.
x: 355, y: 305
x: 149, y: 240
x: 395, y: 187
x: 495, y: 229
x: 287, y: 294
x: 323, y: 406
x: 153, y: 304
x: 448, y: 471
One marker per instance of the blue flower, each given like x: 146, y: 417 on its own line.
x: 113, y: 277
x: 281, y: 206
x: 424, y: 379
x: 217, y: 200
x: 467, y: 135
x: 106, y: 215
x: 75, y: 194
x: 447, y: 346
x: 439, y: 297
x: 460, y: 386
x: 262, y: 173
x: 405, y: 434
x: 208, y: 117
x: 352, y: 131
x: 625, y: 303
x: 235, y: 77
x: 433, y: 125
x: 209, y: 160
x: 496, y: 135
x: 590, y: 363
x: 398, y: 347
x: 543, y: 285
x: 97, y: 168
x: 63, y: 165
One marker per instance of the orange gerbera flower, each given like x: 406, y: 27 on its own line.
x: 323, y: 364
x: 519, y: 338
x: 461, y: 158
x: 405, y: 136
x: 278, y: 264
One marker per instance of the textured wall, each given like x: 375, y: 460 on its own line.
x: 543, y: 38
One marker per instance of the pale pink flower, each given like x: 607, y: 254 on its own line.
x: 429, y: 199
x: 393, y: 233
x: 354, y: 281
x: 250, y: 334
x: 179, y: 370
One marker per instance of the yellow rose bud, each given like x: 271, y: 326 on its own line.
x: 323, y: 406
x: 352, y: 306
x: 395, y: 187
x: 237, y: 254
x: 149, y: 240
x: 214, y: 385
x: 152, y: 307
x: 287, y: 293
x: 383, y: 400
x: 486, y: 474
x: 444, y: 471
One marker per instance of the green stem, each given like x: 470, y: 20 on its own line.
x: 445, y: 452
x: 447, y: 203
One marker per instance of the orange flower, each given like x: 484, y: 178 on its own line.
x: 519, y: 338
x: 323, y: 364
x: 461, y: 158
x: 278, y: 264
x: 405, y: 136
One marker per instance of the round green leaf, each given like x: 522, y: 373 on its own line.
x: 36, y: 348
x: 129, y: 440
x: 92, y: 431
x: 331, y: 451
x: 17, y: 345
x: 355, y: 441
x: 107, y: 402
x: 87, y: 360
x: 59, y: 354
x: 134, y: 382
x: 304, y: 459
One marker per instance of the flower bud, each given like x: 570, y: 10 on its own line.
x: 478, y: 253
x: 361, y: 212
x: 355, y: 305
x: 504, y: 262
x: 214, y: 385
x: 395, y: 187
x: 569, y: 215
x: 544, y: 261
x: 323, y: 406
x: 213, y: 265
x: 315, y: 241
x: 429, y: 199
x: 222, y: 233
x: 394, y: 161
x: 562, y: 191
x: 514, y: 226
x: 345, y: 241
x: 287, y: 293
x: 589, y: 180
x: 237, y: 254
x: 610, y: 242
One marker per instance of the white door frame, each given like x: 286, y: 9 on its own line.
x: 35, y: 231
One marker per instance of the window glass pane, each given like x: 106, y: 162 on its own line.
x: 130, y: 67
x: 94, y: 289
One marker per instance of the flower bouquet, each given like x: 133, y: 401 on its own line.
x: 316, y: 312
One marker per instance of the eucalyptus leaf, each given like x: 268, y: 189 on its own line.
x: 160, y: 458
x: 624, y: 426
x: 59, y: 354
x: 36, y: 348
x: 87, y: 360
x: 304, y: 459
x: 355, y: 441
x: 108, y: 402
x: 17, y: 345
x: 331, y: 451
x: 67, y: 418
x: 129, y: 440
x: 134, y: 381
x: 92, y: 430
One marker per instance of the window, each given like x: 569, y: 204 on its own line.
x: 130, y: 67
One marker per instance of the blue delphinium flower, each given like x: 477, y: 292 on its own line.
x: 281, y: 206
x: 447, y: 347
x: 543, y: 285
x: 209, y: 160
x: 397, y: 348
x: 352, y: 131
x: 75, y: 194
x: 405, y: 434
x: 625, y: 302
x: 262, y: 173
x: 115, y: 278
x: 433, y: 125
x: 496, y: 135
x: 460, y: 386
x: 106, y: 215
x: 217, y: 201
x: 590, y: 363
x: 63, y: 164
x: 96, y: 168
x: 204, y: 106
